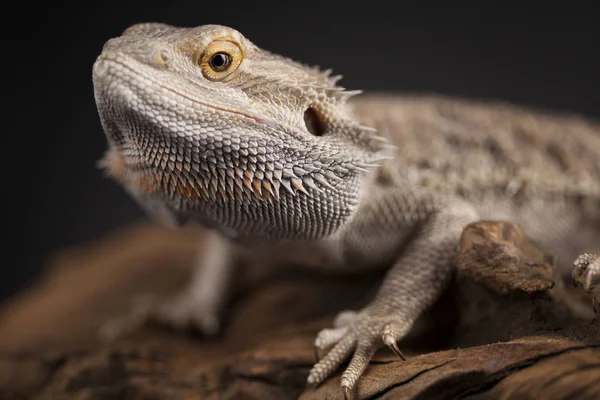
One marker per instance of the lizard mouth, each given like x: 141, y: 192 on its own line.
x: 102, y: 71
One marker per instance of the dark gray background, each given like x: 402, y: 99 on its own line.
x: 57, y: 198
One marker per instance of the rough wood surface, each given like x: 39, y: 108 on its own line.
x: 507, y: 328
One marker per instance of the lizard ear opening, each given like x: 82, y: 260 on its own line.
x: 314, y: 123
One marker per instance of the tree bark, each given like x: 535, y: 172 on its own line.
x: 506, y: 328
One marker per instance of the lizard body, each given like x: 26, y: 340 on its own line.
x: 202, y: 125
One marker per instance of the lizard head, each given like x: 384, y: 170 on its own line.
x: 235, y: 136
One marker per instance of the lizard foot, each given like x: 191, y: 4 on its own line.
x: 358, y: 333
x: 137, y: 314
x: 185, y: 310
x: 197, y: 305
x: 586, y: 273
x: 189, y: 309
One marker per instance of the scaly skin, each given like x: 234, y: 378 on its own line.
x: 202, y: 125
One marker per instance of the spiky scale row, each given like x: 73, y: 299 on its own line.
x: 211, y: 181
x: 254, y: 176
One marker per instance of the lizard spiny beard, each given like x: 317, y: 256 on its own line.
x: 243, y: 184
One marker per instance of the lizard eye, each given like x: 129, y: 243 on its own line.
x: 219, y: 62
x: 220, y: 59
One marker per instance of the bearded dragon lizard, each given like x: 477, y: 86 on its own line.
x: 280, y: 161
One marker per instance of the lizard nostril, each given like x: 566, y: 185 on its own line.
x: 162, y: 57
x: 314, y: 123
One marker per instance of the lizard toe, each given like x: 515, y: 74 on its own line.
x: 586, y: 274
x: 332, y: 360
x: 327, y: 338
x: 359, y: 362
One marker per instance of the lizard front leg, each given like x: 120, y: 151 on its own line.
x: 197, y: 304
x: 413, y: 283
x: 200, y: 302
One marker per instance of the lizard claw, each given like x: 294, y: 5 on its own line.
x: 345, y: 391
x: 390, y: 341
x: 586, y: 272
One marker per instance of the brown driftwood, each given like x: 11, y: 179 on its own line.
x: 506, y: 328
